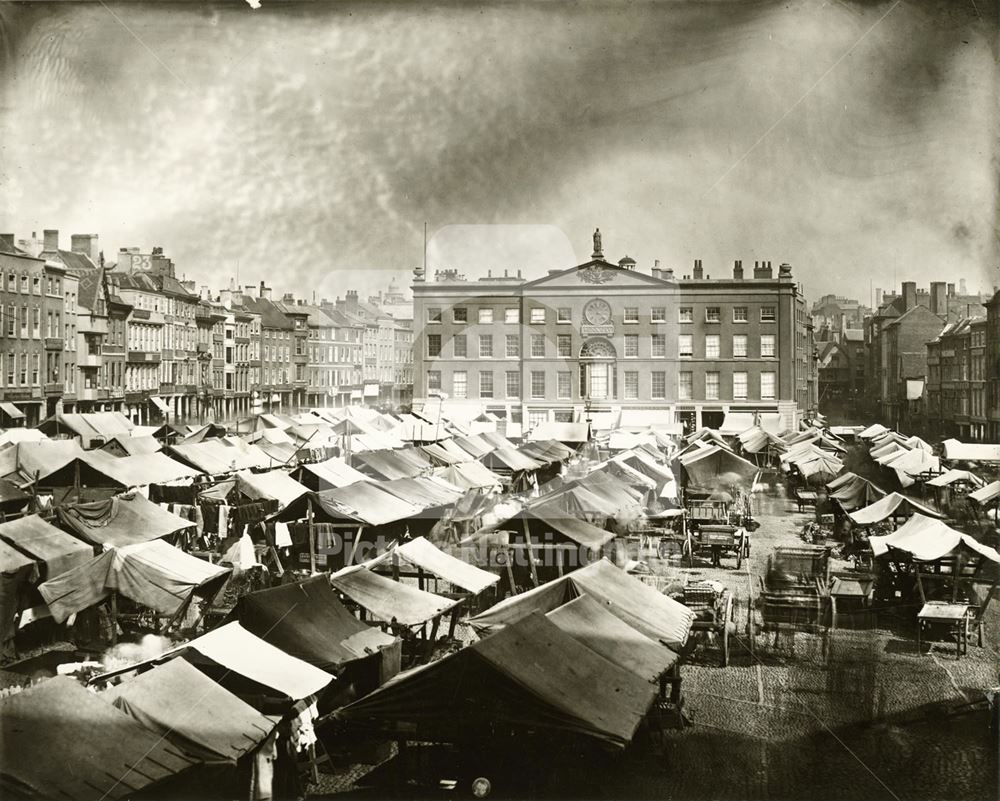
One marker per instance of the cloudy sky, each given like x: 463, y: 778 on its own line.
x: 310, y: 143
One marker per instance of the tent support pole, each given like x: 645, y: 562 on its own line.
x: 530, y: 552
x: 510, y: 570
x: 355, y: 545
x: 454, y: 621
x: 559, y: 561
x: 312, y: 536
x: 114, y: 618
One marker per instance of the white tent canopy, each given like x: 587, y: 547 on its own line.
x: 891, y: 505
x: 927, y: 539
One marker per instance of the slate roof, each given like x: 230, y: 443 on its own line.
x: 271, y: 314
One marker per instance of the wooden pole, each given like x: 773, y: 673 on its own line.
x: 508, y: 558
x: 312, y: 535
x: 530, y: 551
x: 114, y: 618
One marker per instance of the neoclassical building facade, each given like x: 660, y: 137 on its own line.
x: 603, y: 337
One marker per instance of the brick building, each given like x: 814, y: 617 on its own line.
x: 37, y: 298
x: 605, y: 337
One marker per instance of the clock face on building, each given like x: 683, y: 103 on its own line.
x: 598, y: 312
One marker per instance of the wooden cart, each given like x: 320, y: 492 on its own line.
x: 715, y: 613
x: 711, y: 528
x: 794, y: 594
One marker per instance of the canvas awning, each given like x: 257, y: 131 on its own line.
x: 134, y: 444
x: 854, y: 492
x: 738, y: 422
x: 572, y: 528
x: 950, y: 477
x: 121, y: 520
x: 561, y: 432
x: 389, y: 600
x: 707, y: 467
x: 892, y: 505
x: 308, y: 621
x: 365, y: 502
x: 589, y: 622
x: 469, y: 475
x: 218, y: 728
x: 11, y: 411
x: 162, y: 577
x: 389, y: 464
x: 874, y: 430
x: 822, y: 464
x: 532, y: 675
x: 333, y: 473
x: 420, y: 552
x: 911, y: 465
x: 510, y: 459
x: 970, y: 452
x: 160, y: 404
x: 219, y: 456
x: 61, y: 741
x: 639, y: 419
x: 245, y: 654
x: 927, y: 539
x: 984, y: 495
x: 275, y: 485
x: 427, y: 492
x: 659, y: 617
x: 756, y: 439
x: 443, y: 456
x: 11, y: 494
x: 79, y: 588
x: 52, y: 547
x: 475, y: 445
x: 139, y: 469
x: 26, y: 462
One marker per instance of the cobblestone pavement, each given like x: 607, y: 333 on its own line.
x: 858, y: 714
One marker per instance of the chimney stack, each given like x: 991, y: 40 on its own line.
x: 939, y: 298
x: 961, y: 286
x: 762, y: 270
x: 668, y: 274
x: 87, y: 245
x: 250, y: 290
x: 909, y: 295
x: 51, y: 237
x: 351, y: 300
x: 698, y: 273
x: 951, y: 290
x: 738, y: 270
x: 265, y: 291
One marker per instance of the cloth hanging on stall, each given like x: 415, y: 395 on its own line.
x: 282, y: 537
x: 166, y: 493
x: 223, y: 525
x: 302, y: 734
x: 254, y: 512
x: 262, y: 785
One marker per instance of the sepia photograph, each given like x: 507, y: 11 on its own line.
x: 536, y: 400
